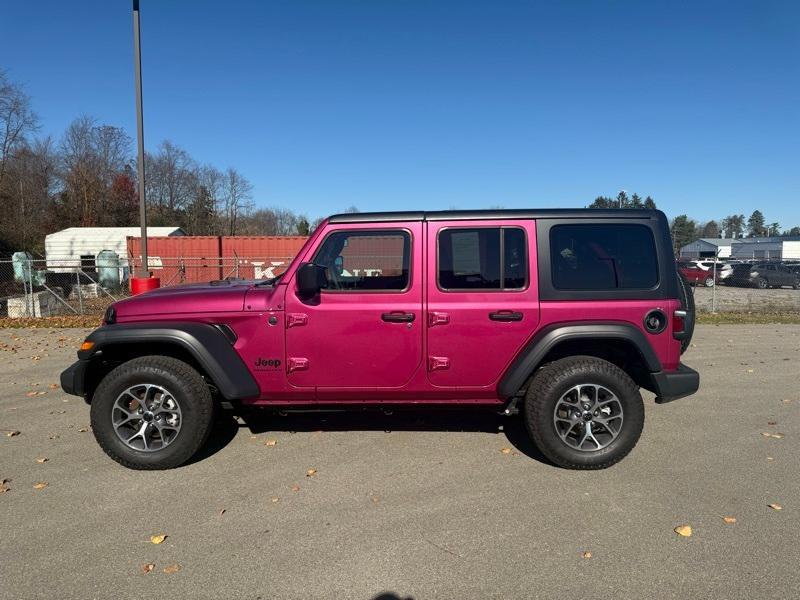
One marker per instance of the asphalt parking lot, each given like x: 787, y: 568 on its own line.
x: 418, y: 505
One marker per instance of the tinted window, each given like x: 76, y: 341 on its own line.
x: 484, y: 258
x: 365, y: 260
x: 603, y: 257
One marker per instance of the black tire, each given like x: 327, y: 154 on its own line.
x: 796, y: 284
x: 762, y: 283
x: 189, y: 391
x: 554, y: 380
x: 686, y: 297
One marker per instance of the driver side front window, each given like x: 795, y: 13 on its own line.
x: 362, y: 260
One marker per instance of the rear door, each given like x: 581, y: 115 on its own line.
x: 483, y: 301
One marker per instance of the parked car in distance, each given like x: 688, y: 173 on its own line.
x: 764, y: 275
x: 695, y: 275
x: 562, y: 315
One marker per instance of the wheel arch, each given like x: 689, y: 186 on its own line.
x: 206, y: 348
x: 619, y: 343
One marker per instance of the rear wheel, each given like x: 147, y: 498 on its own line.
x: 762, y: 283
x: 152, y: 412
x: 583, y: 412
x: 796, y: 284
x: 709, y: 282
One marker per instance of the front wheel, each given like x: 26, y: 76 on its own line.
x: 762, y: 283
x: 152, y: 412
x: 709, y: 282
x: 583, y: 412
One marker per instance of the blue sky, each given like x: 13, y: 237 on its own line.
x: 405, y: 104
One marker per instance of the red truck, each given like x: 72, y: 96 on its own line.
x: 562, y: 315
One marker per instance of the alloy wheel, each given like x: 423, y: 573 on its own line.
x: 146, y: 417
x: 588, y: 417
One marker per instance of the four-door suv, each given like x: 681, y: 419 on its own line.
x: 561, y: 314
x: 764, y: 275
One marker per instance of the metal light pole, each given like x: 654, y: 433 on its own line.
x: 137, y: 66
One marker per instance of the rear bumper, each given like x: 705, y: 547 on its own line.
x: 671, y: 385
x: 72, y: 378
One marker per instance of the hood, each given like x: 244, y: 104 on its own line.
x: 224, y: 296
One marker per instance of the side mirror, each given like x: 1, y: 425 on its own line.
x: 310, y: 280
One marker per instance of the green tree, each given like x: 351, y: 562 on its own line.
x: 623, y: 201
x: 303, y: 225
x: 755, y: 224
x: 649, y: 203
x: 774, y: 229
x: 733, y: 226
x: 683, y: 230
x: 794, y: 231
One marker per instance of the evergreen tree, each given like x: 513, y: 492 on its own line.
x: 683, y: 230
x: 755, y: 224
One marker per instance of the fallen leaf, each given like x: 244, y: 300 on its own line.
x: 729, y: 520
x: 295, y: 488
x: 53, y: 386
x: 271, y: 443
x: 12, y: 433
x: 83, y: 429
x: 53, y: 436
x: 777, y: 436
x: 749, y: 370
x: 40, y: 486
x: 311, y: 472
x: 775, y: 506
x: 276, y: 499
x: 684, y: 530
x: 772, y: 422
x: 30, y: 394
x: 222, y: 512
x: 770, y: 458
x: 42, y: 459
x: 375, y: 499
x: 158, y: 539
x: 766, y: 434
x: 786, y: 400
x: 587, y: 555
x: 148, y: 567
x: 172, y: 569
x: 505, y: 451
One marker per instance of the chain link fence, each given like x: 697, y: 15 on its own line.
x: 33, y: 288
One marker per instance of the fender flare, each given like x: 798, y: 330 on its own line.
x: 210, y: 346
x: 550, y: 336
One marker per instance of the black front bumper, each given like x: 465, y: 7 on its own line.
x: 72, y: 378
x: 671, y: 385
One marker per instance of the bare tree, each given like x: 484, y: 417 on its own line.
x: 16, y: 120
x: 237, y: 195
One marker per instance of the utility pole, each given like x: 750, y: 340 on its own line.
x: 137, y: 67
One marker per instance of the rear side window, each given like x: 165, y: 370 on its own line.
x: 366, y: 260
x: 603, y: 257
x: 483, y: 258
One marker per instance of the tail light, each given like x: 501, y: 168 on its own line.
x: 678, y: 323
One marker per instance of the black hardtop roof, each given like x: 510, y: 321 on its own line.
x: 515, y: 213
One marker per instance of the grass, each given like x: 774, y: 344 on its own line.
x: 748, y: 318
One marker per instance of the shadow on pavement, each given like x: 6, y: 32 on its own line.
x: 418, y: 419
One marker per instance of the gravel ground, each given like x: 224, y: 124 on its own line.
x: 742, y: 299
x: 419, y: 505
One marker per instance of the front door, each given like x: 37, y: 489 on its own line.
x: 364, y: 330
x: 483, y: 301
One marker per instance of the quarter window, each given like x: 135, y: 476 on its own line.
x: 482, y: 258
x: 366, y: 260
x: 603, y: 257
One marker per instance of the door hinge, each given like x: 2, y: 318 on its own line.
x: 438, y: 363
x: 296, y: 363
x: 438, y: 318
x: 296, y: 320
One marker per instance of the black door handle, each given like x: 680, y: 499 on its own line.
x: 397, y: 317
x: 505, y: 315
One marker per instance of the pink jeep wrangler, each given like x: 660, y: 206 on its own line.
x: 562, y: 314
